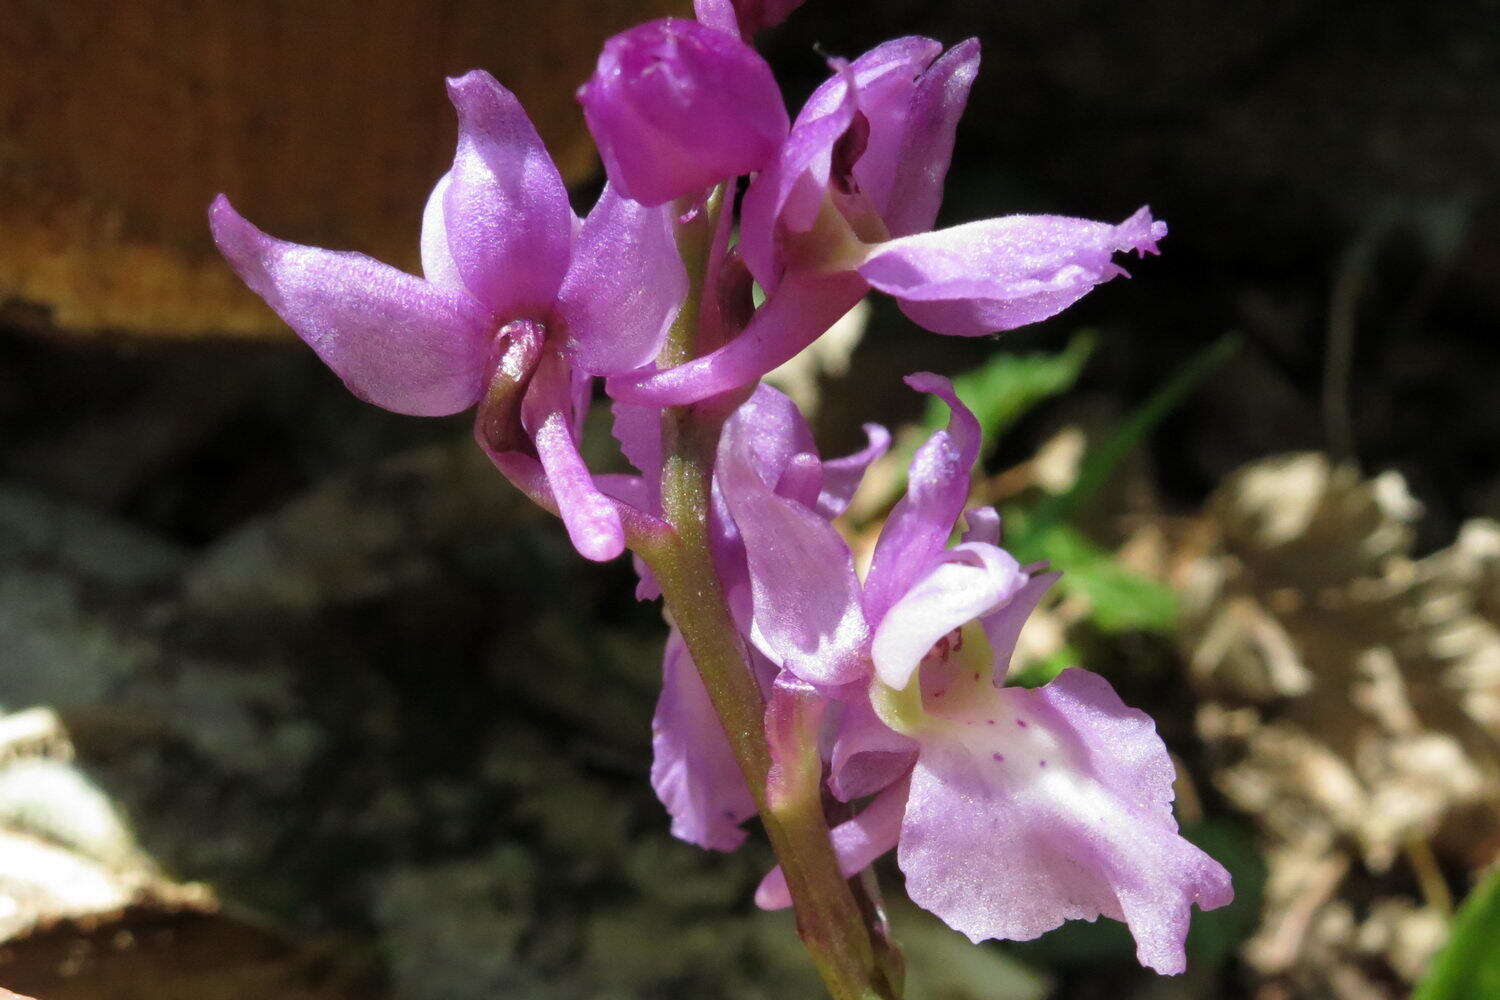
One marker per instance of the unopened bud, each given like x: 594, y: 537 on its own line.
x: 676, y: 106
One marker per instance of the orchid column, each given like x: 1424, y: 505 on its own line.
x: 788, y: 681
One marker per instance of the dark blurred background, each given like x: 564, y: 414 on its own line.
x: 335, y: 715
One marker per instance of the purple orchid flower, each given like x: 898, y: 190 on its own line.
x: 1011, y: 810
x: 520, y: 306
x: 676, y: 106
x: 848, y: 205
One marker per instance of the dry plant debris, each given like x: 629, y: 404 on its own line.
x: 1350, y: 702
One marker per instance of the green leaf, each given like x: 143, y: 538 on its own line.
x: 941, y: 965
x: 1469, y: 967
x: 1034, y: 675
x: 1101, y: 460
x: 1006, y: 387
x: 1119, y: 600
x: 1077, y: 945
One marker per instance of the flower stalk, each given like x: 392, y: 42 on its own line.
x: 830, y: 921
x: 828, y: 918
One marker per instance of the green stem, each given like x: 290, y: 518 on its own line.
x: 829, y: 919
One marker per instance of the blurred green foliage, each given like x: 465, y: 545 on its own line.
x: 1119, y: 600
x: 1005, y: 389
x: 1102, y: 460
x: 1469, y: 967
x: 1008, y: 386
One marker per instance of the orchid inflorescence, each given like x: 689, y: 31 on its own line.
x: 790, y: 681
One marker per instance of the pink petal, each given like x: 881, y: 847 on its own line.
x: 394, y: 339
x: 771, y: 431
x: 507, y: 219
x: 632, y: 491
x: 856, y: 842
x: 646, y: 586
x: 1011, y: 829
x: 790, y: 191
x: 623, y: 288
x: 779, y: 444
x: 803, y: 585
x: 796, y: 314
x: 802, y: 480
x: 734, y: 573
x: 842, y: 476
x: 1002, y: 627
x: 983, y: 525
x: 717, y: 14
x: 971, y: 581
x: 638, y: 430
x: 899, y: 59
x: 437, y: 260
x: 998, y: 274
x: 888, y: 81
x: 592, y: 521
x: 916, y: 189
x: 526, y: 474
x: 867, y: 754
x: 693, y: 768
x: 937, y: 488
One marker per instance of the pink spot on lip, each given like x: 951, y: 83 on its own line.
x: 989, y: 722
x: 1041, y: 763
x: 1021, y: 723
x: 998, y: 756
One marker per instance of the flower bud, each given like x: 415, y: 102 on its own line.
x: 676, y: 106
